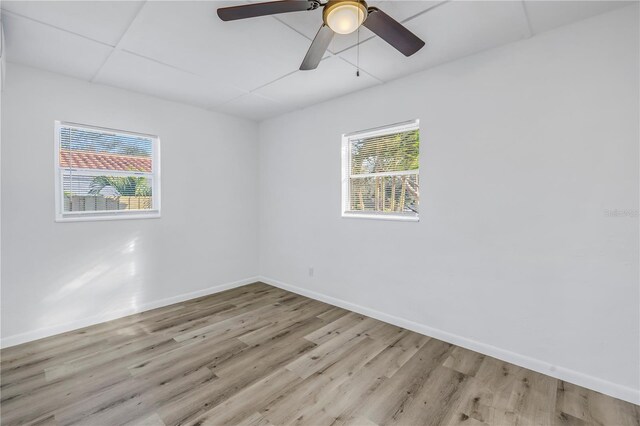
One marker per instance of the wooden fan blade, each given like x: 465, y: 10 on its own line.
x: 393, y: 32
x: 318, y: 47
x: 261, y: 9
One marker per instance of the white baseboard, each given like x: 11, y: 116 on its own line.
x: 609, y: 388
x: 40, y: 333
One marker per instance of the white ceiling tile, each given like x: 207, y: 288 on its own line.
x: 41, y: 46
x: 547, y: 15
x: 254, y: 107
x: 189, y: 35
x: 451, y: 31
x: 104, y: 21
x: 138, y: 74
x: 308, y: 23
x: 333, y: 77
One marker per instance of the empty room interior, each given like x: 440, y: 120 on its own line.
x: 320, y: 212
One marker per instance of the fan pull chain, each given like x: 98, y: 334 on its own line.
x: 358, y: 55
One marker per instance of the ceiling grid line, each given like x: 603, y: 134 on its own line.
x: 527, y: 19
x: 148, y: 58
x: 10, y: 13
x: 359, y: 68
x: 119, y: 42
x: 291, y: 28
x: 403, y: 21
x: 430, y: 8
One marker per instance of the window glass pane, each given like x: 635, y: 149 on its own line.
x: 397, y: 194
x: 92, y: 149
x: 105, y: 193
x: 388, y: 153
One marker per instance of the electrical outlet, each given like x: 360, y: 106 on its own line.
x: 310, y: 271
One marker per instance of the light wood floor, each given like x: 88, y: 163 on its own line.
x: 258, y: 355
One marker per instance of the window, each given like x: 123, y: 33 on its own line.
x: 381, y: 173
x: 105, y: 174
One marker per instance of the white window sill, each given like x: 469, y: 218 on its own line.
x: 90, y: 217
x: 381, y: 217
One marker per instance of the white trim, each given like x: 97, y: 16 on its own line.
x: 562, y: 373
x: 90, y: 216
x: 383, y: 130
x: 157, y: 180
x: 102, y: 172
x: 106, y: 130
x: 156, y: 188
x: 108, y: 316
x: 58, y: 193
x: 346, y: 172
x: 380, y: 216
x: 384, y: 174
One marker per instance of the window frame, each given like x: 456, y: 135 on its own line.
x: 346, y: 171
x: 84, y: 216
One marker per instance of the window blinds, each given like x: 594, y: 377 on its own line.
x: 105, y: 171
x: 383, y: 172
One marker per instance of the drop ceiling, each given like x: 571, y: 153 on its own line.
x: 181, y: 51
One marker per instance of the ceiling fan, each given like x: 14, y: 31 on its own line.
x: 339, y: 16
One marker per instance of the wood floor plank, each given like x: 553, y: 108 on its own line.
x: 432, y: 401
x: 255, y: 420
x: 50, y: 396
x: 389, y: 400
x: 398, y: 353
x: 333, y: 314
x: 203, y: 398
x: 243, y: 405
x: 310, y: 400
x: 191, y: 356
x: 152, y: 420
x: 464, y: 361
x: 345, y: 393
x: 473, y: 406
x: 330, y: 351
x: 261, y: 356
x: 119, y: 355
x: 284, y: 346
x: 334, y: 328
x: 284, y: 322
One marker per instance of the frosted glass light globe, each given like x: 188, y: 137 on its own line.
x: 345, y: 18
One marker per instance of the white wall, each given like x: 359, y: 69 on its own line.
x: 523, y: 149
x: 58, y: 276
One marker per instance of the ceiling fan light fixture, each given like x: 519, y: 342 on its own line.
x: 344, y: 16
x: 339, y: 17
